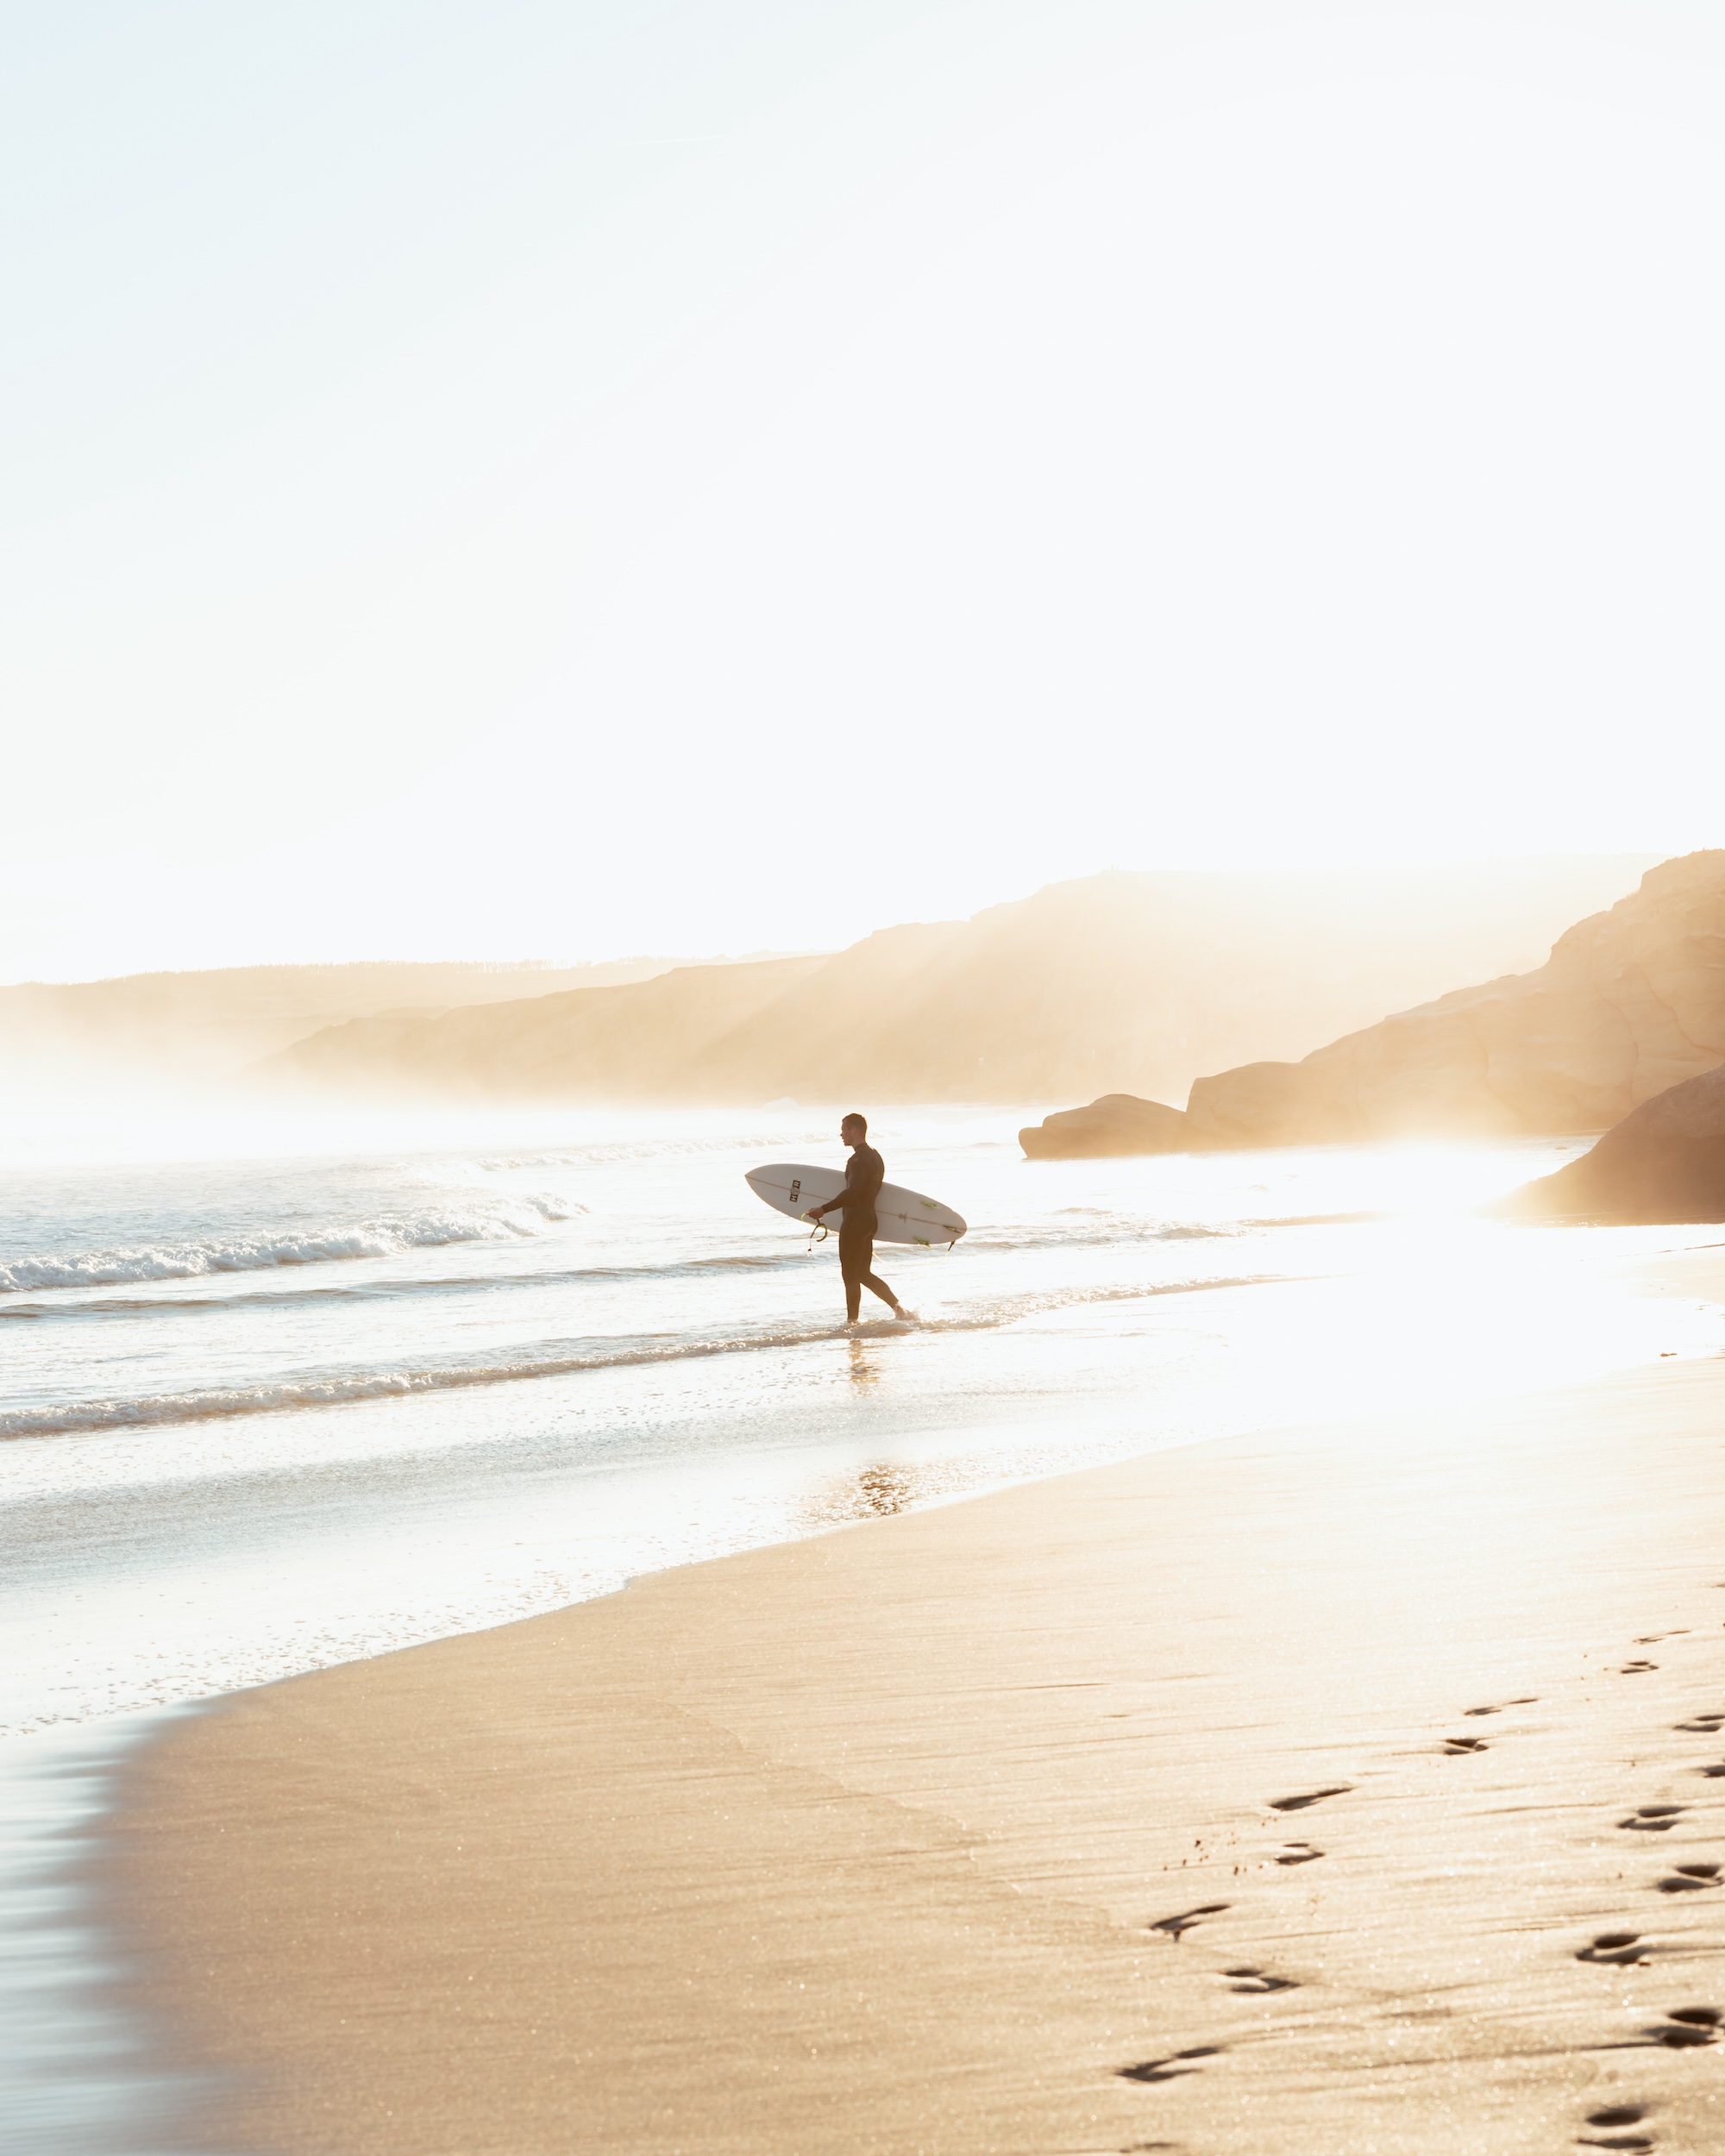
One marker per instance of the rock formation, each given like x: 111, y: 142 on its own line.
x: 1663, y: 1161
x: 1630, y: 1002
x: 1119, y: 1123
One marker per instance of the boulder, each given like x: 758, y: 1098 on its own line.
x: 1630, y: 1002
x: 1663, y: 1161
x: 1118, y: 1123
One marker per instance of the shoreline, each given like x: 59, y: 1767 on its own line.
x: 890, y: 1837
x: 77, y: 2074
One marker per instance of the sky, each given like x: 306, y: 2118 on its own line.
x: 563, y: 480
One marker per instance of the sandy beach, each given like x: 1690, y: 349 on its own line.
x: 1274, y: 1794
x: 1089, y: 629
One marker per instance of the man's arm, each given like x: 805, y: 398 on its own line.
x: 835, y: 1203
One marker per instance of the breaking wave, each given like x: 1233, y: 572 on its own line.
x: 386, y: 1289
x: 385, y: 1237
x: 71, y: 1418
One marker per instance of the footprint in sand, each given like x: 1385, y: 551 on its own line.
x: 1714, y: 1773
x: 1461, y: 1747
x: 1686, y: 2027
x: 1705, y: 1725
x: 1690, y: 1878
x: 1255, y: 1983
x: 1623, y: 1949
x: 1499, y: 1710
x: 1298, y: 1852
x: 1653, y: 1639
x: 1312, y: 1797
x: 1176, y: 1926
x: 1637, y: 1669
x: 1616, y: 2114
x: 1654, y: 1819
x: 1171, y: 2068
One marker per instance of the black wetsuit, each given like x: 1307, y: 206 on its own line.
x: 864, y: 1172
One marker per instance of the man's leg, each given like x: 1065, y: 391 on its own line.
x: 873, y: 1280
x: 858, y: 1262
x: 854, y: 1256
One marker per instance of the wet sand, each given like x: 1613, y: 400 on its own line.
x: 1271, y: 1794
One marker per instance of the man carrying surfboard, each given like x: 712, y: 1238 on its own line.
x: 864, y: 1172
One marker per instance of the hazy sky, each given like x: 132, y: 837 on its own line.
x: 565, y: 480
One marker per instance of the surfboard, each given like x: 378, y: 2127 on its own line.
x: 904, y: 1216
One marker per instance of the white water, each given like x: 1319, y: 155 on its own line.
x: 274, y: 1399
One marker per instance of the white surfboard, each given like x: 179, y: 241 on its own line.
x: 904, y: 1216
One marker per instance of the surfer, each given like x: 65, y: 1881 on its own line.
x: 864, y: 1172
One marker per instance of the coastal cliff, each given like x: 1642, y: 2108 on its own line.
x: 1119, y: 983
x: 164, y: 1034
x: 1631, y: 1001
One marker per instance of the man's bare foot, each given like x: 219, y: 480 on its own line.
x: 908, y: 1316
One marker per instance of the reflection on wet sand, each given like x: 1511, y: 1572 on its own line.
x: 882, y: 1487
x: 863, y: 1373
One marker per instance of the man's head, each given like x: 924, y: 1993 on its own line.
x: 854, y: 1130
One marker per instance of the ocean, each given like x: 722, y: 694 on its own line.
x: 276, y: 1395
